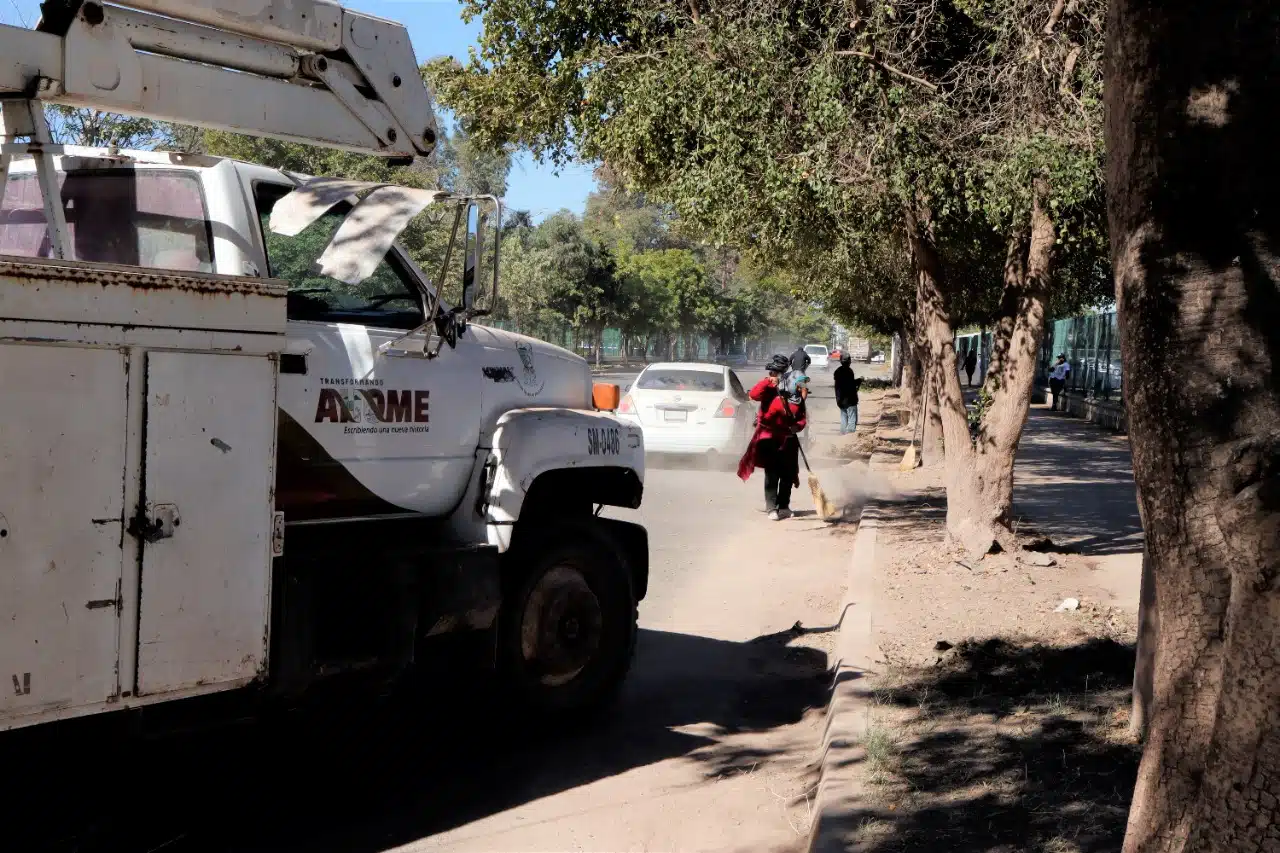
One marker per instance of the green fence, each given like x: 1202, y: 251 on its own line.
x: 1090, y: 343
x: 1092, y: 347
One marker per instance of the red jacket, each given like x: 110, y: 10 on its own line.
x: 778, y: 418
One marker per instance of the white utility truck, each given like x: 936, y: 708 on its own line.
x: 248, y: 443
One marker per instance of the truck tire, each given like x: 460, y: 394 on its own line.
x: 567, y: 629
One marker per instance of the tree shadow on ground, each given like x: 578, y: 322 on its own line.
x: 921, y: 514
x: 1003, y: 746
x: 356, y: 775
x: 1074, y: 483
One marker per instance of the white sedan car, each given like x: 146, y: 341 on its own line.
x: 686, y: 407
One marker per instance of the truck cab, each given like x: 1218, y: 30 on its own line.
x: 429, y: 478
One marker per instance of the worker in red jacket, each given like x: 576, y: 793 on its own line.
x: 775, y: 446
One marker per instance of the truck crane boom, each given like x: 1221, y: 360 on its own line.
x: 305, y: 71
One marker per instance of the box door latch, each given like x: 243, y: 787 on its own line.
x: 158, y: 521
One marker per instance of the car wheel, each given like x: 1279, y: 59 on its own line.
x: 567, y: 632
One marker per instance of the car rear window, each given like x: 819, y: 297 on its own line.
x: 815, y: 350
x: 674, y: 379
x: 145, y: 218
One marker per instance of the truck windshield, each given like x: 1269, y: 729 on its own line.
x: 140, y: 217
x: 388, y: 298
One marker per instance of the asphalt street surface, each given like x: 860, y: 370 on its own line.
x: 706, y: 748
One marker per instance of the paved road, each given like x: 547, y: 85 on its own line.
x: 707, y: 749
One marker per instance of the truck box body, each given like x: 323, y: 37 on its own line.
x: 137, y: 452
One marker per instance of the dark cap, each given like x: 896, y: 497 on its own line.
x: 779, y: 363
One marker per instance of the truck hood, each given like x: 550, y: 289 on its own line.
x: 503, y: 339
x: 522, y: 372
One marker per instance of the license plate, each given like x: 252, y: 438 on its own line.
x: 675, y: 415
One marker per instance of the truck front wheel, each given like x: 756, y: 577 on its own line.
x: 567, y: 632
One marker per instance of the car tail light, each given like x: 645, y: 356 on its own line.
x: 626, y: 407
x: 727, y: 409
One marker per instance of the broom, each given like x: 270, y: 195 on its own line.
x: 827, y: 510
x: 911, y: 459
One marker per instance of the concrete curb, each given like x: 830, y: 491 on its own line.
x: 848, y: 711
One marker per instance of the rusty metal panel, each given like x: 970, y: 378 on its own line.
x: 209, y: 475
x: 80, y: 292
x: 62, y: 463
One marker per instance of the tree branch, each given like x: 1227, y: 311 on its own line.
x: 887, y: 67
x: 1055, y: 16
x: 1068, y: 68
x: 697, y: 16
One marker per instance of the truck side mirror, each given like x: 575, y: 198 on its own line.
x: 480, y: 256
x: 471, y: 263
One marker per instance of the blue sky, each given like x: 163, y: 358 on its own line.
x: 437, y: 29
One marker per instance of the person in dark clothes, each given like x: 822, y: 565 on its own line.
x: 847, y: 386
x: 971, y: 364
x: 775, y: 446
x: 800, y: 360
x: 1058, y: 381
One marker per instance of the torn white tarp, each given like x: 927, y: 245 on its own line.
x: 296, y: 211
x: 366, y: 235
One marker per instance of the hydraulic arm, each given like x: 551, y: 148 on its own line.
x: 298, y: 70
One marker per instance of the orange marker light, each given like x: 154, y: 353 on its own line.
x: 605, y: 396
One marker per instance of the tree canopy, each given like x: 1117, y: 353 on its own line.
x: 797, y: 127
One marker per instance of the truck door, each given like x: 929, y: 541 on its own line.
x: 205, y: 580
x: 363, y: 432
x: 62, y: 463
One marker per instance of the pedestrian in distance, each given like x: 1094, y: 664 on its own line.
x: 775, y: 445
x: 847, y: 385
x: 800, y: 360
x: 971, y: 364
x: 1058, y: 377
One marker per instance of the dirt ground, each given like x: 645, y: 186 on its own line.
x: 999, y: 714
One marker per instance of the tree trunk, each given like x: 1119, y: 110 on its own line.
x: 912, y: 376
x: 598, y: 342
x: 967, y: 524
x: 1192, y: 185
x: 931, y: 443
x: 899, y: 357
x: 1144, y: 669
x: 1016, y: 341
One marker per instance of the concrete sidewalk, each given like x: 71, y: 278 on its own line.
x: 1074, y: 484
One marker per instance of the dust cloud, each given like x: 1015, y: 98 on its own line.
x: 851, y: 487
